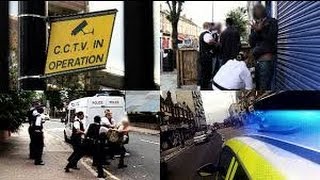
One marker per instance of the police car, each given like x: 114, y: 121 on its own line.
x: 281, y: 144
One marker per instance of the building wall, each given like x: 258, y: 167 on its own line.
x: 187, y: 29
x: 186, y: 96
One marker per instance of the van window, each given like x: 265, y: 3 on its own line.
x: 72, y: 115
x: 240, y: 174
x: 224, y: 161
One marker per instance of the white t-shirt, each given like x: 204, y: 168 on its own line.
x: 233, y: 75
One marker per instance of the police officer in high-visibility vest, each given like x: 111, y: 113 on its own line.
x: 77, y: 135
x: 38, y: 139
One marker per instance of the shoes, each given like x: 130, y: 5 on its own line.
x: 66, y: 169
x: 41, y: 163
x: 102, y: 176
x: 75, y: 167
x: 120, y: 166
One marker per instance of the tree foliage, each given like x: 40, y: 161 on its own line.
x: 240, y: 19
x: 13, y: 109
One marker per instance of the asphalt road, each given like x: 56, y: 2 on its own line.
x: 144, y: 159
x: 185, y: 165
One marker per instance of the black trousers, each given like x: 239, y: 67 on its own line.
x: 206, y: 72
x: 31, y: 144
x: 78, y: 152
x: 38, y: 146
x: 98, y: 157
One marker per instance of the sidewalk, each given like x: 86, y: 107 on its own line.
x: 144, y: 130
x: 15, y: 165
x: 174, y: 152
x: 169, y: 82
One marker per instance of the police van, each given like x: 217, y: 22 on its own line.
x: 91, y: 107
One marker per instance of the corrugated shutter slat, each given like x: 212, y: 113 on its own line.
x: 298, y: 60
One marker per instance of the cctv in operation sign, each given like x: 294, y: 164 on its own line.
x: 79, y: 42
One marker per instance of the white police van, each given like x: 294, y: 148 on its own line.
x: 91, y: 107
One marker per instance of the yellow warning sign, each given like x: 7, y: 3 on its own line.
x: 80, y: 42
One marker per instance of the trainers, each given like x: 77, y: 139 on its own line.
x: 66, y: 170
x: 41, y: 163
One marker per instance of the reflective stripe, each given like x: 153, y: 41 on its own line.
x: 234, y: 170
x: 291, y: 166
x: 254, y: 164
x: 230, y: 168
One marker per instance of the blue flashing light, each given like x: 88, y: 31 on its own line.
x: 286, y: 121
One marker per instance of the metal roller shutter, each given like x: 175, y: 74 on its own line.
x: 298, y: 61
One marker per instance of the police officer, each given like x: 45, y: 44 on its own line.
x: 77, y: 133
x: 93, y: 135
x: 38, y: 136
x: 94, y: 143
x: 206, y: 45
x: 31, y: 120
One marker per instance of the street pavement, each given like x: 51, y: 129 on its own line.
x: 185, y: 165
x: 143, y: 162
x: 169, y: 82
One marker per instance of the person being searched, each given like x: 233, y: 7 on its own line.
x: 263, y: 40
x: 234, y: 75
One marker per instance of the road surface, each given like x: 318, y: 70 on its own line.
x: 185, y: 165
x: 144, y: 159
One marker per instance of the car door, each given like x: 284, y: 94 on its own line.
x: 231, y: 168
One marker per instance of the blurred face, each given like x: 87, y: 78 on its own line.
x: 81, y: 116
x: 109, y: 115
x: 258, y: 12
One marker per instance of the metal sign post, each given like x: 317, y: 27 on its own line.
x: 32, y: 44
x: 4, y: 42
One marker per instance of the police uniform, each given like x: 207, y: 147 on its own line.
x: 206, y: 62
x: 38, y: 140
x: 31, y: 120
x: 76, y: 144
x: 93, y: 135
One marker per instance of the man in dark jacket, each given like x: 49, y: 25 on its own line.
x: 230, y: 42
x: 263, y: 40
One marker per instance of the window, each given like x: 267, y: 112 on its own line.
x: 224, y: 161
x: 240, y: 173
x: 230, y: 166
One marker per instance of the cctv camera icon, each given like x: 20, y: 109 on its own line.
x: 80, y: 28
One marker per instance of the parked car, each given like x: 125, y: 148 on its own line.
x: 200, y: 137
